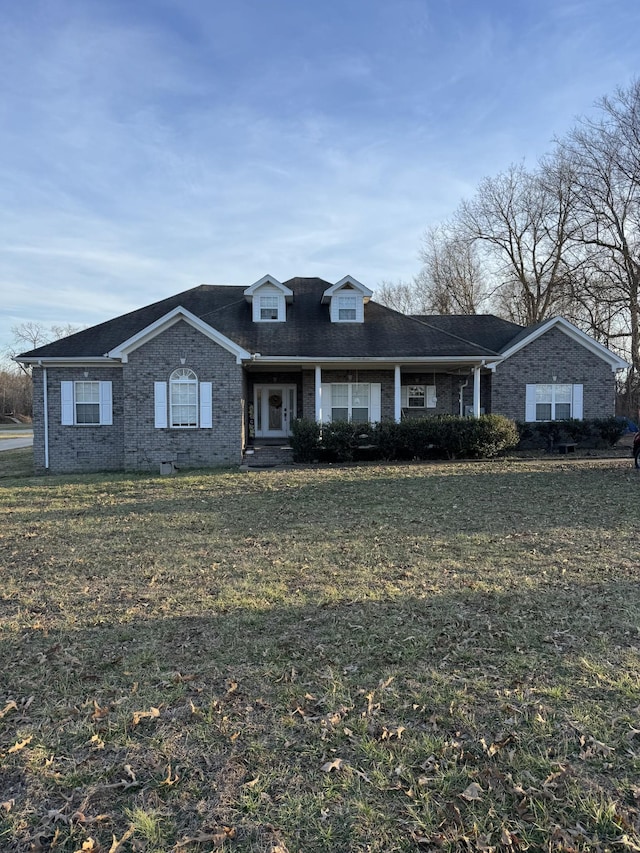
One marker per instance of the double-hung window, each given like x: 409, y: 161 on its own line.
x: 553, y: 402
x: 418, y: 396
x: 350, y: 402
x: 347, y: 308
x: 183, y: 395
x: 269, y: 307
x: 183, y: 402
x: 358, y: 402
x: 86, y: 403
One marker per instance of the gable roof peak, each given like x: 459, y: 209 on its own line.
x: 350, y: 283
x: 272, y: 280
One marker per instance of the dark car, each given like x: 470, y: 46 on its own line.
x: 636, y: 449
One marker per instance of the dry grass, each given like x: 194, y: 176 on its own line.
x: 371, y: 658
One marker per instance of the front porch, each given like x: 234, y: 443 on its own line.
x: 361, y: 393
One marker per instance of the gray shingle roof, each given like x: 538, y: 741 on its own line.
x: 486, y: 330
x: 308, y: 331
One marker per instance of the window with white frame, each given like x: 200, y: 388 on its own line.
x: 269, y: 307
x: 350, y: 402
x: 86, y: 403
x: 416, y: 397
x: 553, y: 402
x: 183, y: 402
x: 419, y: 396
x: 183, y: 398
x: 347, y: 308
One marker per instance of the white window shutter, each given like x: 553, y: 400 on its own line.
x: 530, y: 404
x: 325, y: 391
x: 66, y: 401
x: 206, y: 408
x: 375, y: 410
x: 160, y: 404
x: 576, y: 400
x: 404, y: 396
x: 106, y: 404
x: 431, y: 400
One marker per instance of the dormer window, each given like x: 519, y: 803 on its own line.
x: 269, y: 307
x: 347, y: 308
x: 268, y: 298
x: 346, y: 300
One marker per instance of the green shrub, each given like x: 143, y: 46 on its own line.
x: 305, y: 438
x: 590, y: 432
x: 446, y: 435
x: 610, y: 430
x: 339, y: 439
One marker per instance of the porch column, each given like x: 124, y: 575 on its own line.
x: 318, y: 390
x: 476, y: 392
x: 397, y: 395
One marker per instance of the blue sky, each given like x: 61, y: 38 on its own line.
x: 147, y: 147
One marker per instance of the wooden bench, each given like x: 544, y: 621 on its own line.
x: 566, y: 447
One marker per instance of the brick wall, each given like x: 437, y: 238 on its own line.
x: 133, y: 443
x: 145, y: 446
x: 75, y: 449
x: 553, y: 354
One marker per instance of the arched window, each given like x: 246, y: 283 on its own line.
x: 183, y: 397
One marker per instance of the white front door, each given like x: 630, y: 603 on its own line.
x: 275, y: 408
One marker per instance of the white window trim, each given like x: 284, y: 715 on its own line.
x: 69, y: 403
x: 349, y: 293
x: 175, y: 381
x: 577, y: 409
x: 162, y: 406
x: 271, y: 294
x: 375, y: 395
x: 430, y: 397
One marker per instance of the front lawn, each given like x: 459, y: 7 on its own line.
x: 377, y: 658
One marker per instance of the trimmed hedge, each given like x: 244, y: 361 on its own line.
x: 594, y: 432
x: 445, y: 436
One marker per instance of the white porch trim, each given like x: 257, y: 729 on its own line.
x: 476, y: 392
x: 318, y: 393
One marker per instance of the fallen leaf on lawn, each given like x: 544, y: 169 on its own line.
x: 10, y: 706
x: 89, y: 845
x: 117, y: 844
x: 7, y: 805
x: 216, y: 838
x: 99, y: 712
x: 472, y: 792
x: 145, y: 715
x: 169, y: 779
x: 252, y: 783
x: 21, y: 744
x: 336, y: 764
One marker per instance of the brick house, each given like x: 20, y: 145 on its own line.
x: 199, y: 377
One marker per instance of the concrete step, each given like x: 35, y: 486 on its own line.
x: 268, y: 456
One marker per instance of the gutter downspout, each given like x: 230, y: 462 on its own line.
x: 45, y: 403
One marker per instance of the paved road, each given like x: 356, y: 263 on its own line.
x: 15, y: 443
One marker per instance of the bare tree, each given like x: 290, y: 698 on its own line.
x: 451, y: 279
x: 521, y: 221
x: 30, y: 335
x: 605, y: 159
x: 403, y: 296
